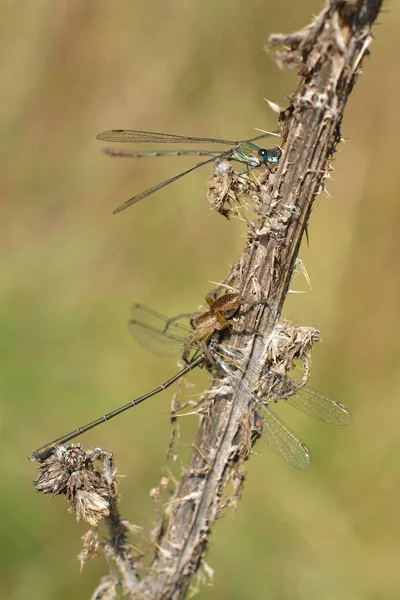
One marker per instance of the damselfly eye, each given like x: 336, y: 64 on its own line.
x: 271, y: 155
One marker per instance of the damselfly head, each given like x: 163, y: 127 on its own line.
x: 270, y: 155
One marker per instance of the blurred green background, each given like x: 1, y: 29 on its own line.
x: 70, y: 272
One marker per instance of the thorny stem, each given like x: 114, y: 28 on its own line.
x: 328, y: 53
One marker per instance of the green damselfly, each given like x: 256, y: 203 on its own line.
x: 245, y: 152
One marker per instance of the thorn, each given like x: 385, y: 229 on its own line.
x: 224, y: 285
x: 273, y: 133
x: 307, y: 237
x: 304, y: 271
x: 273, y: 106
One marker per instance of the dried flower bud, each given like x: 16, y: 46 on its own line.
x: 73, y: 473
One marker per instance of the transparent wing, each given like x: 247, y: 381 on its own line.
x: 275, y: 432
x: 282, y: 439
x: 320, y: 406
x: 159, y: 186
x: 154, y: 332
x: 135, y: 136
x: 274, y: 386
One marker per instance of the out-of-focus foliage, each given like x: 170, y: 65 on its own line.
x: 70, y: 271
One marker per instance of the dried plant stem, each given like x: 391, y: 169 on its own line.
x: 328, y: 53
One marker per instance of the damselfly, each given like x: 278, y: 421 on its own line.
x: 215, y: 319
x: 166, y: 337
x: 158, y: 334
x: 245, y: 152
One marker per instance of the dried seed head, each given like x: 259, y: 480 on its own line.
x: 228, y: 189
x: 86, y: 479
x: 290, y: 343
